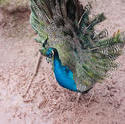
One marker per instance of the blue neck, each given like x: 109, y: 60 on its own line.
x: 61, y: 76
x: 57, y: 61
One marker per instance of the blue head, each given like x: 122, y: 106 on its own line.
x: 51, y: 52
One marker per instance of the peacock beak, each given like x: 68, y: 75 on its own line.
x: 49, y: 60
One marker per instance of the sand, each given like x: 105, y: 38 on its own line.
x: 47, y: 102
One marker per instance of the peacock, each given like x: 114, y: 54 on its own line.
x: 80, y: 55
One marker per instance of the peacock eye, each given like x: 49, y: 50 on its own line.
x: 50, y: 55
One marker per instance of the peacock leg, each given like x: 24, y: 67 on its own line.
x: 90, y: 98
x: 34, y: 74
x: 78, y: 97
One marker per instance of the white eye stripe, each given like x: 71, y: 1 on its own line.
x: 52, y: 52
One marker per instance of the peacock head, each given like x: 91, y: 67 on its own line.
x: 50, y: 54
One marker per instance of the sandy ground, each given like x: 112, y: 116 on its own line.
x: 47, y: 102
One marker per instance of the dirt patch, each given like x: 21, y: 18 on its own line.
x: 47, y: 102
x: 14, y: 5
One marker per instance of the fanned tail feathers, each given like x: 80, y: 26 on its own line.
x: 65, y: 25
